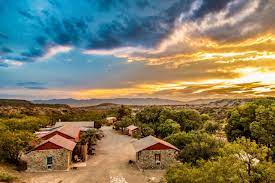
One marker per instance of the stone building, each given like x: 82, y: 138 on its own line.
x: 132, y: 130
x: 60, y: 146
x: 154, y: 153
x: 52, y: 154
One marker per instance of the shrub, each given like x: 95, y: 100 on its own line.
x: 4, y: 177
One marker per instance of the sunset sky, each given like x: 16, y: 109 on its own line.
x: 174, y: 49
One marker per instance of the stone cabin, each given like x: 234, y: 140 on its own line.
x: 54, y: 153
x: 132, y: 130
x: 154, y: 153
x: 59, y: 147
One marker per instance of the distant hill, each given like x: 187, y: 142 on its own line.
x: 122, y: 101
x: 14, y: 102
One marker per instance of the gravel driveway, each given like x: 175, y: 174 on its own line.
x: 110, y: 165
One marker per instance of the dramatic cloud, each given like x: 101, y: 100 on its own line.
x: 181, y: 49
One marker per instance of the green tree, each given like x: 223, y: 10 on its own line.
x: 255, y: 120
x: 168, y: 127
x: 211, y: 127
x: 90, y: 137
x: 123, y: 111
x: 149, y: 115
x: 124, y: 122
x: 146, y: 130
x: 243, y: 161
x: 29, y: 123
x: 14, y: 143
x: 189, y: 119
x: 195, y: 146
x: 202, y: 146
x: 181, y: 139
x: 167, y: 113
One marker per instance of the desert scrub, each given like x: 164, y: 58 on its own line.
x: 4, y: 177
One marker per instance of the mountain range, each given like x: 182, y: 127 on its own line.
x: 122, y: 101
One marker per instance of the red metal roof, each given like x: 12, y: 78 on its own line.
x: 59, y: 141
x: 68, y: 130
x: 149, y: 141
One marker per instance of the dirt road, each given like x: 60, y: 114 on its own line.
x: 109, y: 165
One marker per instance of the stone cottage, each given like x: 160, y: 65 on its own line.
x: 132, y: 130
x: 154, y: 153
x: 52, y: 154
x: 60, y: 146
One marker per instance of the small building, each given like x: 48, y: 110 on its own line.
x: 60, y: 147
x: 132, y: 130
x: 154, y: 153
x: 86, y: 124
x: 111, y: 120
x: 54, y: 153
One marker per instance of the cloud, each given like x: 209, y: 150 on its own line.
x: 117, y: 24
x: 226, y: 29
x: 178, y: 48
x: 52, y: 51
x: 31, y: 85
x: 2, y: 64
x: 7, y: 63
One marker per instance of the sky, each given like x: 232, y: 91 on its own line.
x: 176, y: 49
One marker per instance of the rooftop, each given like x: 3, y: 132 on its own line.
x: 60, y: 141
x: 149, y: 141
x: 132, y: 127
x: 70, y: 130
x: 87, y: 124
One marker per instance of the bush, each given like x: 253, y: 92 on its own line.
x: 4, y: 177
x: 211, y: 127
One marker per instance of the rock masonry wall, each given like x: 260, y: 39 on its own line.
x: 147, y: 158
x: 37, y: 160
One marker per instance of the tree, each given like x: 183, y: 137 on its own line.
x: 14, y: 143
x: 167, y: 113
x: 255, y: 120
x: 124, y: 122
x: 195, y: 146
x: 149, y: 115
x: 202, y: 146
x: 243, y: 161
x: 180, y: 140
x: 90, y: 136
x: 123, y: 111
x: 146, y: 130
x: 211, y: 127
x: 29, y: 123
x: 189, y: 119
x: 168, y: 127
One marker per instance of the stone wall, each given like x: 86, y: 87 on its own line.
x: 37, y: 160
x: 147, y: 158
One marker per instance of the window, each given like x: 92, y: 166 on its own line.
x: 157, y: 157
x: 49, y: 162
